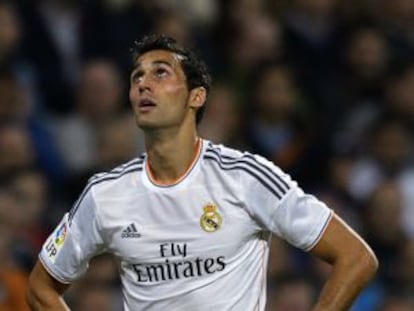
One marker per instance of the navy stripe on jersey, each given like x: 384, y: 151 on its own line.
x: 104, y: 177
x: 266, y: 168
x: 268, y: 184
x: 119, y: 168
x: 251, y: 162
x: 246, y: 169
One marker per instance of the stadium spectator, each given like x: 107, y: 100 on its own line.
x: 13, y: 279
x: 277, y: 126
x: 223, y: 120
x: 98, y: 100
x: 382, y: 223
x: 291, y: 292
x: 356, y: 98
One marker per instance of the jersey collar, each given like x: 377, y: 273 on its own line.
x: 150, y: 179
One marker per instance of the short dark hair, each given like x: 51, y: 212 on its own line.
x: 194, y: 68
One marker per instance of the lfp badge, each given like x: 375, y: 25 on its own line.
x: 210, y: 221
x: 56, y: 240
x: 60, y: 234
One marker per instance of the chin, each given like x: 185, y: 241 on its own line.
x: 147, y: 124
x: 154, y: 124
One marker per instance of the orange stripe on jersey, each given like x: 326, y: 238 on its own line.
x: 181, y: 178
x: 325, y: 226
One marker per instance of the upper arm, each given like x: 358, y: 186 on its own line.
x: 280, y: 206
x: 40, y: 278
x: 78, y: 238
x: 339, y: 242
x: 353, y: 265
x: 43, y: 288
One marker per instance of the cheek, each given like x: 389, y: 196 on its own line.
x: 178, y: 93
x: 174, y: 88
x: 132, y: 95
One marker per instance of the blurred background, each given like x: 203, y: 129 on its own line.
x: 324, y: 88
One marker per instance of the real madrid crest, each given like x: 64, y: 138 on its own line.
x: 210, y: 221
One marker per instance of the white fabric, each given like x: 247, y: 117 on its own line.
x: 167, y: 260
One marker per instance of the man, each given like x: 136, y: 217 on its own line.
x: 189, y: 222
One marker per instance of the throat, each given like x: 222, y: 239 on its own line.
x: 170, y: 168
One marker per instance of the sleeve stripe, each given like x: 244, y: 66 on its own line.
x: 119, y: 169
x: 320, y: 235
x: 243, y: 167
x: 247, y: 155
x: 52, y: 274
x: 97, y: 180
x: 251, y: 162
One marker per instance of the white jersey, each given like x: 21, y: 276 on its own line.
x: 201, y: 243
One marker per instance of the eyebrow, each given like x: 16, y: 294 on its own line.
x: 156, y: 62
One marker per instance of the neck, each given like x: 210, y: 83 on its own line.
x: 170, y: 155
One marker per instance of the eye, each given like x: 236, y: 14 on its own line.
x: 160, y: 72
x: 136, y: 77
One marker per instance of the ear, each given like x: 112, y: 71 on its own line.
x: 197, y: 97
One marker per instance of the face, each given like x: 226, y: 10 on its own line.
x: 10, y: 31
x: 100, y: 91
x: 275, y: 95
x: 158, y: 91
x: 367, y: 53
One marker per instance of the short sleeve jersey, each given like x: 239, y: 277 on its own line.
x: 201, y: 243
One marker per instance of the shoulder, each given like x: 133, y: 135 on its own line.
x: 226, y: 156
x: 106, y: 183
x: 118, y: 173
x: 215, y: 150
x: 115, y: 177
x: 251, y: 168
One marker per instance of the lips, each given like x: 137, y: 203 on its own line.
x: 146, y: 104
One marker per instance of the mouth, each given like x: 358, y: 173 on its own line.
x: 146, y: 104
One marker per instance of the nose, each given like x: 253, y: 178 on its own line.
x: 144, y: 84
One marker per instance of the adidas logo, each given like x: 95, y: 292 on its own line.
x: 130, y: 232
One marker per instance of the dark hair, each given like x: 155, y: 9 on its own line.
x: 194, y: 68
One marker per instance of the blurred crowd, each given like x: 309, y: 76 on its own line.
x: 324, y: 88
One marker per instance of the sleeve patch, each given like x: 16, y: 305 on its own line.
x: 56, y: 240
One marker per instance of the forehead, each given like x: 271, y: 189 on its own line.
x: 157, y: 57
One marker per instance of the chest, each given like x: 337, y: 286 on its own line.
x: 182, y: 225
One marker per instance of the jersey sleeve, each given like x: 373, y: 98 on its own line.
x: 280, y: 206
x: 77, y: 238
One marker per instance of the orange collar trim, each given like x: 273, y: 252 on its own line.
x: 183, y: 176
